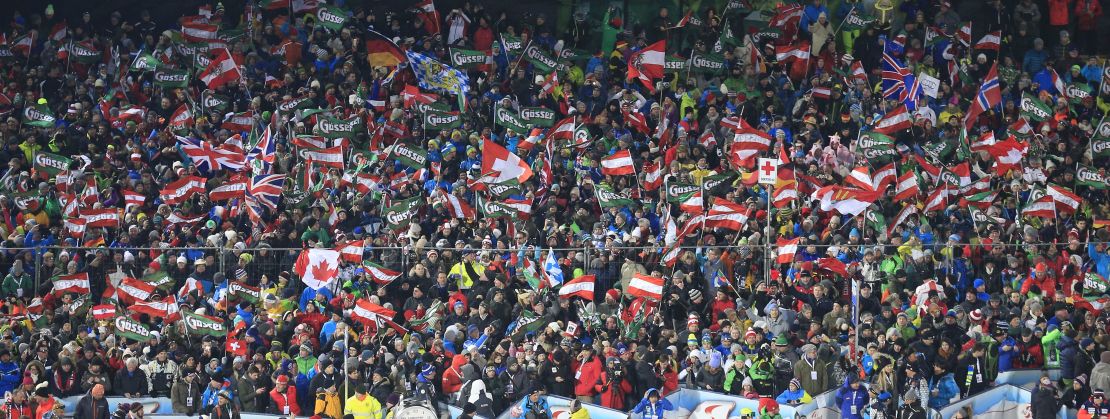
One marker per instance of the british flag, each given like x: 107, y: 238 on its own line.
x: 264, y: 149
x: 199, y: 151
x: 266, y: 190
x: 894, y: 76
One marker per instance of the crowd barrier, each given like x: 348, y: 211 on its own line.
x: 999, y: 402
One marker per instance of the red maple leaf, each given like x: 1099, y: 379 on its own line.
x: 323, y: 271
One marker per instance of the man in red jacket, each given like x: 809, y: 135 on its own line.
x: 284, y: 398
x: 613, y: 386
x: 586, y: 376
x: 452, y: 379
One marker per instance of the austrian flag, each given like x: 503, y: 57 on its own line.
x: 222, y: 70
x: 620, y: 163
x: 76, y: 283
x: 646, y: 286
x: 182, y: 189
x: 582, y: 287
x: 787, y: 250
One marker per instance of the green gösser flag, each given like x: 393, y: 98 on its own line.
x: 338, y: 128
x: 679, y: 192
x: 437, y: 120
x: 204, y: 325
x: 509, y: 119
x: 1100, y: 141
x: 873, y: 145
x: 171, y: 78
x: 331, y: 17
x: 538, y: 117
x: 539, y: 58
x: 707, y: 63
x: 160, y: 280
x: 607, y: 198
x: 131, y: 329
x: 1089, y: 177
x: 245, y: 292
x: 38, y: 116
x: 1034, y: 109
x: 413, y: 157
x: 467, y: 58
x: 51, y: 163
x: 512, y: 44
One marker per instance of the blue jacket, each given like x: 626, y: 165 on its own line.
x: 1101, y: 261
x: 946, y: 389
x: 526, y: 406
x: 10, y: 376
x: 787, y: 396
x: 850, y: 400
x: 652, y: 410
x: 1006, y: 358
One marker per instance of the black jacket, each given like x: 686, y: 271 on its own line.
x: 1044, y: 402
x: 89, y: 408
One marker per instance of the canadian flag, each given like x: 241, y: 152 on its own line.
x: 727, y: 214
x: 368, y: 312
x: 132, y: 290
x: 582, y: 287
x: 653, y: 176
x: 351, y: 251
x: 618, y: 164
x: 646, y: 286
x: 894, y: 121
x: 991, y: 41
x: 503, y: 165
x: 317, y: 268
x: 221, y: 70
x: 182, y: 189
x: 76, y: 283
x: 786, y: 250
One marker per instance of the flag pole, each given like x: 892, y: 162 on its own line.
x: 346, y: 376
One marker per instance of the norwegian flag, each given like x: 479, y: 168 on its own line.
x: 989, y: 96
x: 786, y: 250
x: 964, y: 35
x: 234, y: 188
x: 563, y: 130
x: 637, y: 121
x: 76, y: 283
x: 906, y: 187
x: 182, y: 189
x: 351, y: 251
x: 550, y: 83
x: 131, y: 290
x: 747, y: 145
x: 103, y: 311
x: 581, y: 287
x: 894, y: 121
x: 369, y: 313
x: 647, y: 64
x: 132, y: 198
x: 267, y: 189
x: 618, y: 164
x: 991, y: 41
x: 221, y: 70
x: 653, y: 176
x: 105, y: 217
x: 200, y: 32
x: 165, y: 308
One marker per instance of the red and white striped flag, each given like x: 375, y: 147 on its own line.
x: 1044, y: 207
x: 379, y: 273
x: 618, y: 164
x: 368, y: 312
x: 76, y: 283
x: 549, y: 83
x: 182, y: 189
x: 906, y: 187
x: 991, y: 41
x: 582, y: 287
x: 165, y: 308
x: 75, y: 227
x: 191, y: 284
x: 787, y: 53
x: 132, y: 198
x: 131, y: 290
x: 563, y: 130
x: 535, y: 136
x: 351, y: 251
x: 221, y: 70
x: 457, y: 208
x: 199, y: 32
x: 727, y: 214
x: 822, y: 92
x: 103, y: 311
x: 707, y: 140
x: 236, y: 187
x: 902, y: 216
x: 637, y: 121
x: 894, y: 121
x: 787, y: 249
x: 106, y: 217
x: 1064, y: 196
x: 693, y: 204
x: 646, y: 286
x: 747, y: 144
x: 653, y: 176
x: 330, y: 157
x: 964, y: 35
x: 857, y: 71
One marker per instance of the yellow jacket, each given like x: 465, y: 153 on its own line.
x: 367, y: 408
x: 580, y: 414
x: 464, y: 279
x: 327, y: 405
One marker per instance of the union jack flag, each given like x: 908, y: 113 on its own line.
x: 894, y: 76
x: 266, y: 190
x: 264, y: 149
x: 199, y: 151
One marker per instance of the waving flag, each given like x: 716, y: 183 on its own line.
x: 618, y: 164
x: 105, y: 217
x: 991, y: 41
x: 653, y: 176
x: 132, y: 290
x: 747, y: 144
x: 989, y: 96
x: 647, y: 64
x: 317, y: 268
x: 786, y: 250
x: 894, y: 76
x: 903, y: 215
x: 351, y: 251
x: 646, y: 286
x: 552, y: 270
x: 1064, y: 196
x: 847, y: 201
x: 1043, y: 207
x: 380, y: 274
x: 727, y: 214
x: 234, y: 188
x: 182, y: 189
x: 894, y: 121
x: 426, y: 11
x: 221, y: 70
x: 581, y: 287
x: 503, y: 165
x: 436, y: 76
x: 76, y: 283
x: 368, y: 312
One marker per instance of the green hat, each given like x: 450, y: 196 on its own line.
x: 211, y: 224
x: 780, y: 340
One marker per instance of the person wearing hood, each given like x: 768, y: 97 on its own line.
x: 1045, y: 402
x: 1100, y: 375
x: 852, y: 398
x: 794, y: 394
x: 653, y: 405
x: 452, y: 379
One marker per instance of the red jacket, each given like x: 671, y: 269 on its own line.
x: 586, y: 376
x: 719, y: 307
x: 1087, y: 13
x: 452, y: 379
x: 289, y: 398
x: 1047, y: 285
x: 1058, y: 12
x: 612, y: 395
x: 1032, y: 354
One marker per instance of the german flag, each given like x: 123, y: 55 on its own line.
x: 382, y: 51
x: 1097, y: 224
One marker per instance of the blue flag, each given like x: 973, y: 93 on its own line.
x: 436, y: 76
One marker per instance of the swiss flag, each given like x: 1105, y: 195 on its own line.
x: 317, y: 268
x: 502, y: 165
x: 236, y: 346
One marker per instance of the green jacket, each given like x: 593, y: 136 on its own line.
x: 13, y: 282
x: 304, y: 365
x: 1048, y: 346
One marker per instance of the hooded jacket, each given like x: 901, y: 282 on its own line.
x: 652, y: 410
x: 587, y: 376
x: 851, y: 402
x: 452, y: 379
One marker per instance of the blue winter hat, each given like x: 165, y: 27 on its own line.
x: 978, y: 282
